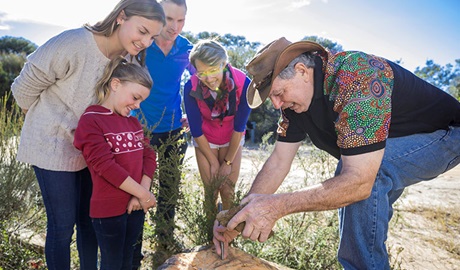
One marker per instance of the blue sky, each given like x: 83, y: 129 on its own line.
x: 409, y: 30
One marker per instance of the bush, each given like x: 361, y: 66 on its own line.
x: 19, y: 194
x: 301, y: 241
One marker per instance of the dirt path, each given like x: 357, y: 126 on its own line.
x: 426, y: 225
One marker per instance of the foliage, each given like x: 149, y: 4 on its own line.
x: 13, y: 52
x: 15, y: 45
x: 437, y: 75
x: 301, y: 241
x: 17, y: 254
x: 19, y: 189
x: 19, y: 194
x: 445, y: 77
x: 10, y: 67
x: 266, y: 120
x: 332, y: 46
x: 454, y: 87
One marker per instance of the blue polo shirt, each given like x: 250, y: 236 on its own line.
x: 162, y: 109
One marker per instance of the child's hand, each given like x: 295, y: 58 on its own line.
x: 133, y: 205
x: 185, y: 125
x: 147, y: 204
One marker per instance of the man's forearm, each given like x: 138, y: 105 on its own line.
x: 269, y: 178
x: 275, y: 168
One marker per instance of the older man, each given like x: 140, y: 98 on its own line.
x: 387, y: 128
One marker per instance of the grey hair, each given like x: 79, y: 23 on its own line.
x: 308, y: 59
x: 208, y: 51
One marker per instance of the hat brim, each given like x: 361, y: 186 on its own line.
x: 256, y: 97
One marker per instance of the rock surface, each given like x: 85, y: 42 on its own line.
x: 205, y: 257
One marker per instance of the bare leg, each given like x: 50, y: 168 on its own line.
x: 227, y: 189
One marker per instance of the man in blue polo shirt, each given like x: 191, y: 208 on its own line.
x: 167, y: 59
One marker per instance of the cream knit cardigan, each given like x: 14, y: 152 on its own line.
x: 56, y: 85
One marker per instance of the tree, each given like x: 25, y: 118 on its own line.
x: 445, y: 77
x: 13, y: 52
x: 454, y: 86
x: 15, y: 45
x: 240, y: 51
x: 332, y: 46
x: 435, y: 74
x: 10, y: 67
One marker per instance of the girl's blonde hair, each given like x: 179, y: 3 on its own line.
x: 149, y: 9
x: 125, y: 71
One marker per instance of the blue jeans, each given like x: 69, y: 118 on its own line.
x: 66, y: 196
x: 407, y: 160
x: 116, y: 237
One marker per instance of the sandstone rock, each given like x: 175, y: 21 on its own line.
x: 206, y: 258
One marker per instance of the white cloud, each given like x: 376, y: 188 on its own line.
x: 300, y: 4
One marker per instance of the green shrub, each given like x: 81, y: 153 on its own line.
x: 301, y: 241
x: 20, y: 200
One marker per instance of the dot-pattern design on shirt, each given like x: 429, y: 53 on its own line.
x: 125, y: 141
x: 360, y: 86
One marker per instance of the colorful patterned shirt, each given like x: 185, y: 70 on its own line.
x: 360, y: 100
x: 360, y: 86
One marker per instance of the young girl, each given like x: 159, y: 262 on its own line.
x: 55, y: 86
x: 120, y: 161
x: 217, y: 111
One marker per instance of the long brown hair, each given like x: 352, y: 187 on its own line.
x: 149, y: 9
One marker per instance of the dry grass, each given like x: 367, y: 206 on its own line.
x: 446, y: 222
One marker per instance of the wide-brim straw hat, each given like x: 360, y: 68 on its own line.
x: 269, y: 62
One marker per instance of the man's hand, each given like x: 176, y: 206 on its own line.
x: 222, y: 234
x: 260, y: 215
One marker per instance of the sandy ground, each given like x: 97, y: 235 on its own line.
x: 426, y: 224
x: 425, y: 229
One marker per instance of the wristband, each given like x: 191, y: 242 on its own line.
x: 150, y: 197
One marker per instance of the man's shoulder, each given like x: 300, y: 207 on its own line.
x: 182, y: 41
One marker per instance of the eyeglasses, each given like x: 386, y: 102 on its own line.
x: 209, y: 73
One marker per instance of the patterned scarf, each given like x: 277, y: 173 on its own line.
x: 220, y: 105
